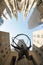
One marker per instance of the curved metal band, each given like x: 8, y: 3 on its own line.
x: 20, y: 35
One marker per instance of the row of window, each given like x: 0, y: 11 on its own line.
x: 4, y: 34
x: 38, y: 42
x: 38, y: 36
x: 5, y: 55
x: 4, y: 44
x: 38, y: 53
x: 6, y: 50
x: 2, y: 52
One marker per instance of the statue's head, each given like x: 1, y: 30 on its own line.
x: 21, y: 45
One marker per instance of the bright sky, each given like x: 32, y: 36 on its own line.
x: 15, y: 27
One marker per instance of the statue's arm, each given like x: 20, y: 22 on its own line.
x: 15, y: 47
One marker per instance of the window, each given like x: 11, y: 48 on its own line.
x: 42, y: 57
x: 3, y: 56
x: 9, y: 46
x: 38, y: 36
x: 0, y: 44
x: 41, y: 36
x: 40, y: 54
x: 5, y: 48
x: 7, y: 52
x: 41, y: 49
x: 41, y: 64
x: 0, y: 1
x: 1, y: 51
x: 37, y: 41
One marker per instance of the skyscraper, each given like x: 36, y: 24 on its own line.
x: 38, y: 43
x: 4, y: 46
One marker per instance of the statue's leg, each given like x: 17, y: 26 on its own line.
x: 20, y: 56
x: 27, y: 55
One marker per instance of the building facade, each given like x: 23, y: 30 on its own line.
x: 38, y: 43
x: 4, y: 47
x: 36, y: 17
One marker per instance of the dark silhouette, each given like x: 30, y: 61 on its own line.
x: 23, y: 51
x: 13, y: 60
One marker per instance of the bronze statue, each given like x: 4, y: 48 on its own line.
x: 22, y: 50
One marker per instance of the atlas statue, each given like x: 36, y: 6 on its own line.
x: 22, y: 50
